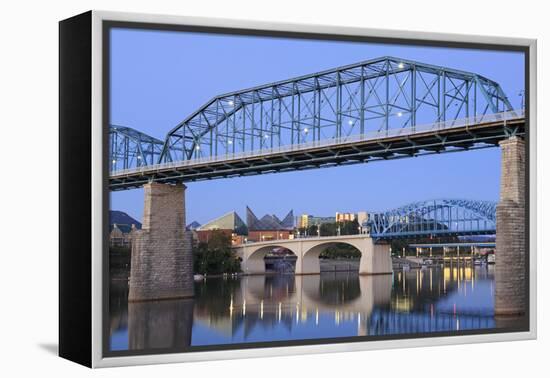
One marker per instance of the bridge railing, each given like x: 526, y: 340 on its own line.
x: 304, y: 237
x: 420, y: 233
x: 443, y: 125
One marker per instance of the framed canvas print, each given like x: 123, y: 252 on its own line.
x: 232, y: 189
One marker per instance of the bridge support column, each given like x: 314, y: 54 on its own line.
x: 162, y: 260
x: 375, y: 259
x: 254, y: 264
x: 510, y: 293
x: 307, y: 261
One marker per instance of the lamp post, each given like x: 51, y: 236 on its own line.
x: 522, y: 95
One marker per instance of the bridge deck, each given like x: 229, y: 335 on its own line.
x: 303, y: 239
x: 457, y: 135
x: 428, y: 232
x: 454, y: 245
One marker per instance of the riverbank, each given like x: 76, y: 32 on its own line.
x: 120, y: 266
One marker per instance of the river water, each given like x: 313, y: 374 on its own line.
x: 248, y: 309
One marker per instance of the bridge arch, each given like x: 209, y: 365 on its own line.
x: 375, y: 257
x: 435, y: 217
x: 253, y: 258
x: 309, y: 262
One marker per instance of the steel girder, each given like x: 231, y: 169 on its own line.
x: 433, y: 139
x: 130, y: 148
x: 434, y: 217
x: 375, y: 95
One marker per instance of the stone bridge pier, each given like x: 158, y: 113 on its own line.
x: 162, y: 259
x: 510, y: 277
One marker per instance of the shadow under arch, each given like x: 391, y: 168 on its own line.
x: 310, y: 264
x: 275, y: 287
x: 254, y: 263
x: 344, y: 291
x: 335, y: 289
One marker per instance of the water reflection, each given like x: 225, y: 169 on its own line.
x: 287, y: 307
x: 160, y: 324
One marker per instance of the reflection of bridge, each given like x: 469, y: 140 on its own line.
x: 445, y: 217
x: 384, y: 108
x: 359, y: 294
x: 407, y: 302
x: 270, y: 300
x: 375, y: 258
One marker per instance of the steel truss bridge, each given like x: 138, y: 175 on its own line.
x: 384, y: 108
x: 443, y: 217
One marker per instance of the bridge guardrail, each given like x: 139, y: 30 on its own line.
x: 444, y: 125
x: 304, y: 238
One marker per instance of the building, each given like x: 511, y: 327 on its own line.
x: 342, y: 217
x: 121, y: 226
x: 230, y: 224
x: 193, y: 226
x: 316, y: 221
x: 302, y: 221
x: 269, y: 227
x: 121, y: 235
x: 362, y: 218
x: 305, y: 220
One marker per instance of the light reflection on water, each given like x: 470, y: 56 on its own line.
x: 287, y: 307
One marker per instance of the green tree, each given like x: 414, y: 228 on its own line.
x: 349, y: 227
x: 342, y: 251
x: 312, y: 230
x: 215, y: 256
x: 328, y: 229
x: 346, y: 228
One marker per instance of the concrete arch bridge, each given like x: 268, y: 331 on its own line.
x: 375, y: 258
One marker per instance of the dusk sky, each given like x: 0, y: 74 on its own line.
x: 158, y: 78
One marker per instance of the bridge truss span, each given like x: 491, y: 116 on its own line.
x: 375, y: 95
x: 443, y: 217
x: 449, y: 136
x: 384, y: 108
x: 130, y: 148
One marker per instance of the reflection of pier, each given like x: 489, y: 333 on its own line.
x: 292, y: 299
x: 430, y: 299
x: 328, y: 293
x: 160, y: 324
x: 273, y: 307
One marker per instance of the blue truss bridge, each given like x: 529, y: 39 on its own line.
x: 379, y: 109
x: 434, y: 218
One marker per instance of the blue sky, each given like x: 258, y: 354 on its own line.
x: 160, y: 77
